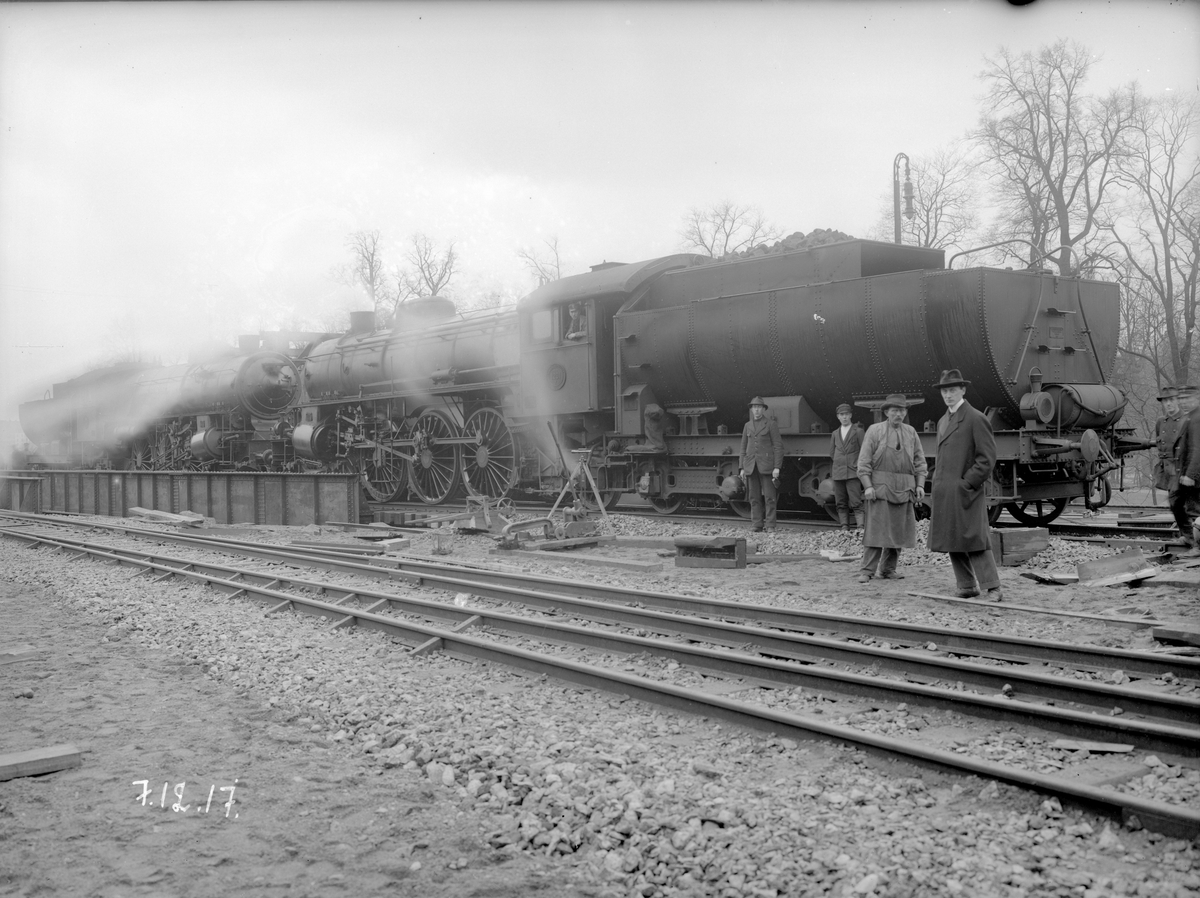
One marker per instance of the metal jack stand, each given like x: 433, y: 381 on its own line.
x: 575, y: 522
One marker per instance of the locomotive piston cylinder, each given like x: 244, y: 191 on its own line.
x: 206, y: 445
x: 1074, y: 406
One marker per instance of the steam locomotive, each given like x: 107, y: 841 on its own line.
x: 223, y: 411
x: 644, y: 370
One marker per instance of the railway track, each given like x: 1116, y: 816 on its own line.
x: 1022, y: 682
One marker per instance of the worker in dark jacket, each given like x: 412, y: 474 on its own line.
x: 1185, y: 502
x: 966, y: 455
x: 844, y: 446
x: 761, y: 458
x: 1168, y: 430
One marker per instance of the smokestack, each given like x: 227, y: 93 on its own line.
x: 362, y: 322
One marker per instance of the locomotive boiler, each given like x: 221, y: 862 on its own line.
x: 692, y: 341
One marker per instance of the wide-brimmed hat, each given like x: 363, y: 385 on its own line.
x: 896, y: 400
x: 844, y: 407
x: 951, y: 377
x: 758, y: 400
x: 1187, y: 390
x: 1169, y: 391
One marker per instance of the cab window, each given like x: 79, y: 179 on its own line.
x: 541, y: 326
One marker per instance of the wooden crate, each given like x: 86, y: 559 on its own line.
x: 710, y: 551
x: 1017, y: 546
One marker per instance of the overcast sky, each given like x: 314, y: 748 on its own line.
x: 175, y: 172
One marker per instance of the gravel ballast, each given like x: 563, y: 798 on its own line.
x: 631, y: 800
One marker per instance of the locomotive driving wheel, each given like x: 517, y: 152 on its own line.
x: 384, y: 471
x: 435, y: 470
x: 491, y: 466
x: 1038, y: 513
x: 140, y: 455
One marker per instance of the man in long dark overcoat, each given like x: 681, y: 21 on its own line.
x: 966, y: 455
x: 1169, y: 431
x: 761, y: 458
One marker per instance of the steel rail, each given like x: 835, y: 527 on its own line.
x: 1148, y: 735
x: 1020, y: 683
x: 1176, y: 821
x: 480, y: 581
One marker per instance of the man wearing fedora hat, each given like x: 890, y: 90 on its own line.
x: 761, y: 458
x: 844, y: 445
x: 966, y: 455
x: 891, y: 467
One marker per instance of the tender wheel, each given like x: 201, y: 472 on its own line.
x: 1038, y: 513
x: 384, y: 472
x: 669, y: 505
x: 741, y: 507
x: 492, y: 466
x: 435, y: 470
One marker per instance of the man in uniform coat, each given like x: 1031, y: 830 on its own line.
x: 966, y: 455
x: 762, y: 456
x: 1185, y: 499
x: 1168, y: 431
x: 844, y: 446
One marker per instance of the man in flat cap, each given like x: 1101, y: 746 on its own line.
x: 966, y: 455
x: 1168, y: 431
x: 844, y: 446
x: 1185, y: 501
x: 762, y: 456
x: 891, y: 467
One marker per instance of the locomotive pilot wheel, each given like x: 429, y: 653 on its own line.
x: 491, y: 466
x: 436, y: 469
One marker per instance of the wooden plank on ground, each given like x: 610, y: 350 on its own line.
x: 1097, y: 747
x: 554, y: 545
x: 1130, y: 565
x: 1054, y: 578
x: 646, y: 542
x: 164, y: 517
x: 11, y: 654
x: 38, y: 761
x: 594, y: 560
x: 784, y: 559
x: 1177, y: 634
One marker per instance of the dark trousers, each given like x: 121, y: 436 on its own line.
x: 1184, y: 502
x: 971, y: 565
x: 848, y: 496
x: 883, y: 559
x: 760, y: 486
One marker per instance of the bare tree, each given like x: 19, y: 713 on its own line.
x: 366, y: 269
x: 545, y: 266
x: 726, y: 228
x: 944, y: 200
x: 1158, y: 236
x: 1052, y: 148
x: 429, y: 269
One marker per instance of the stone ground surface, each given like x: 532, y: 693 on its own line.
x: 362, y: 770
